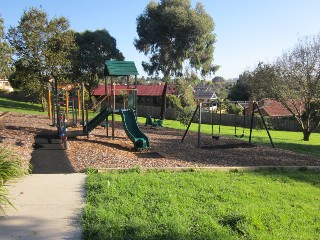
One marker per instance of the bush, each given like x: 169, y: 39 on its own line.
x: 185, y: 115
x: 11, y: 166
x: 233, y: 108
x: 258, y: 123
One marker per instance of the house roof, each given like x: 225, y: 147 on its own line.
x: 204, y: 93
x: 142, y: 90
x: 273, y: 108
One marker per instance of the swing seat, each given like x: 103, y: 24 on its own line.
x: 215, y: 137
x: 239, y: 136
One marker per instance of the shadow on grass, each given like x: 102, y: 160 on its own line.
x: 9, y: 104
x: 313, y: 150
x: 302, y: 174
x: 165, y: 232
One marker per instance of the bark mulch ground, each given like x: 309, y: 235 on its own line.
x: 20, y: 132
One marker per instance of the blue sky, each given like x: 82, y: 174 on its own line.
x: 248, y: 31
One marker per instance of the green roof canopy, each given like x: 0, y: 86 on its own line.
x: 120, y: 68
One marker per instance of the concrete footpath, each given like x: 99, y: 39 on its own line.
x: 48, y: 206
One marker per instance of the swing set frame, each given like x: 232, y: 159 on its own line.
x: 210, y: 105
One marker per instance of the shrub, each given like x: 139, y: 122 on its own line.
x: 11, y: 166
x: 185, y: 115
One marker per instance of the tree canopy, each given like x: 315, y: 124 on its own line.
x: 42, y: 48
x: 94, y: 48
x: 5, y: 53
x: 294, y: 80
x: 173, y: 34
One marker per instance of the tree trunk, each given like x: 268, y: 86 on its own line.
x: 306, y: 135
x: 44, y: 104
x: 164, y: 101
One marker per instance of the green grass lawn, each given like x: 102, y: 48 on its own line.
x: 20, y: 107
x: 271, y: 204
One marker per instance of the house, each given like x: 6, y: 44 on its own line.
x: 204, y: 94
x: 148, y: 95
x: 272, y: 108
x: 5, y: 85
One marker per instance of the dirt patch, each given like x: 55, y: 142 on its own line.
x: 18, y: 131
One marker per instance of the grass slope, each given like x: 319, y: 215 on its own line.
x: 202, y: 205
x: 20, y: 107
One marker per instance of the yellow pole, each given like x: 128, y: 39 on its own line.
x: 49, y: 105
x: 78, y: 96
x: 67, y: 103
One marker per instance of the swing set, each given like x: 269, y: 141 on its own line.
x: 216, y: 108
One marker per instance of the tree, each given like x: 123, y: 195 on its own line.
x: 42, y: 50
x: 185, y: 93
x: 5, y: 53
x: 94, y: 49
x: 294, y: 81
x: 240, y: 90
x: 172, y: 34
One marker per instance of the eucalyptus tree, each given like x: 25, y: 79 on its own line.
x: 294, y: 80
x: 173, y: 34
x: 94, y: 48
x: 42, y: 49
x: 5, y: 53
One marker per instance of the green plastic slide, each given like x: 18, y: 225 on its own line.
x: 139, y: 139
x: 94, y: 122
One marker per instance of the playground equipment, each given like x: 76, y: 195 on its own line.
x: 62, y: 129
x: 63, y: 99
x: 210, y: 107
x: 61, y: 105
x: 154, y: 122
x: 235, y: 122
x: 216, y: 137
x: 132, y: 129
x: 66, y: 99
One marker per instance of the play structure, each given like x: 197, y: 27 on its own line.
x: 68, y: 104
x: 153, y: 122
x: 216, y: 107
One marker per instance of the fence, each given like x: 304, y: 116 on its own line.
x: 226, y: 119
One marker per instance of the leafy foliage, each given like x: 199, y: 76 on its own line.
x: 5, y: 54
x: 42, y: 49
x: 94, y: 48
x: 172, y: 34
x: 10, y: 167
x: 293, y: 80
x: 240, y: 91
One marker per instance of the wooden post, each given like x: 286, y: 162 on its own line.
x: 67, y: 103
x: 49, y: 105
x: 82, y: 106
x: 79, y: 102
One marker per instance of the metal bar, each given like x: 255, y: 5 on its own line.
x: 194, y: 114
x: 251, y: 123
x: 265, y: 125
x: 199, y: 127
